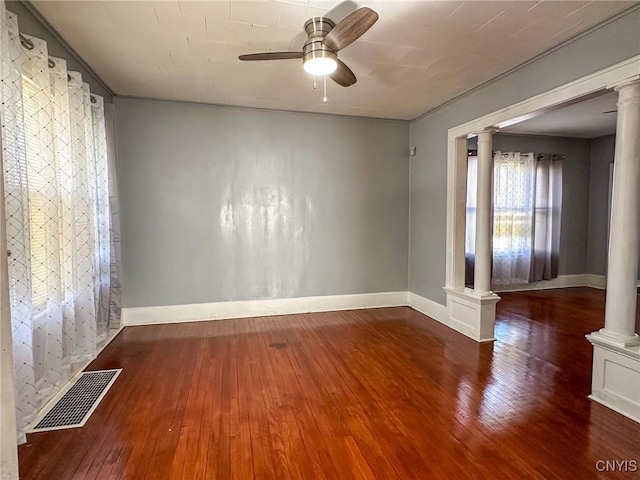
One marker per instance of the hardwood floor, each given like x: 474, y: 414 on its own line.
x: 384, y: 393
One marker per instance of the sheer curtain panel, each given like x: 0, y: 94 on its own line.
x: 58, y: 221
x: 513, y: 204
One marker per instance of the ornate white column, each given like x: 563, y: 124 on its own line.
x: 616, y: 346
x: 473, y: 312
x: 624, y: 231
x: 484, y: 201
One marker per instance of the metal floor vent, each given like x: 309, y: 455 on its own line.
x: 75, y: 407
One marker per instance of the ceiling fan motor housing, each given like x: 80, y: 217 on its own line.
x: 324, y: 39
x: 316, y: 29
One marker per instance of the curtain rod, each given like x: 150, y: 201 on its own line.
x: 29, y: 45
x: 539, y: 156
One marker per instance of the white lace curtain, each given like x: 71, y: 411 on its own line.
x: 527, y: 204
x: 513, y: 205
x: 56, y: 179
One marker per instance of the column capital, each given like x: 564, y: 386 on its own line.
x: 627, y: 82
x: 487, y: 131
x: 628, y: 92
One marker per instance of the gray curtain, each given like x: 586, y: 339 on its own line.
x: 548, y: 214
x: 115, y: 295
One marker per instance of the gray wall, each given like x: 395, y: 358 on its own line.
x: 602, y: 153
x: 602, y: 156
x: 223, y: 203
x: 574, y: 228
x: 610, y: 44
x: 30, y: 25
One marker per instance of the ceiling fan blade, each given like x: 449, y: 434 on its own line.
x: 340, y: 11
x: 350, y: 29
x: 271, y: 56
x: 343, y: 75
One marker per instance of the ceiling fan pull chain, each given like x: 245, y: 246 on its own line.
x: 315, y: 82
x: 324, y: 99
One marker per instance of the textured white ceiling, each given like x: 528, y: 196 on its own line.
x: 592, y: 118
x: 417, y: 56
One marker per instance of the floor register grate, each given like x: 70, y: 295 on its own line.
x: 77, y: 404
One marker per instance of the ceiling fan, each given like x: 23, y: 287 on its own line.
x: 324, y: 39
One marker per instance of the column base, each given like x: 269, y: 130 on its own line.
x: 472, y: 314
x: 617, y: 340
x: 615, y: 380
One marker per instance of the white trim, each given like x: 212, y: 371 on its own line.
x: 615, y: 407
x: 456, y: 157
x: 595, y: 281
x: 8, y: 441
x: 442, y: 314
x: 556, y: 97
x: 429, y: 308
x: 562, y: 281
x: 615, y: 373
x: 471, y: 313
x: 259, y: 308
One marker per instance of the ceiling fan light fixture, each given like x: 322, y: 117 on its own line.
x: 320, y: 66
x: 324, y: 39
x: 320, y: 62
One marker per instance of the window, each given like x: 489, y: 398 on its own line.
x: 513, y: 197
x: 526, y: 217
x: 39, y: 191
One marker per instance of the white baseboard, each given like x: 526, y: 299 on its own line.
x: 429, y: 308
x: 562, y: 281
x: 472, y: 314
x: 282, y: 306
x: 615, y: 376
x: 595, y: 281
x: 285, y: 306
x: 259, y: 308
x: 471, y: 328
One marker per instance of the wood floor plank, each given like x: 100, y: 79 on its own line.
x: 303, y: 458
x: 219, y: 454
x: 380, y: 394
x: 240, y: 432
